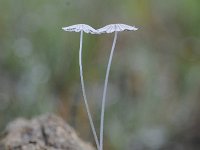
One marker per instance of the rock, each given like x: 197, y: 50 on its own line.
x: 46, y: 132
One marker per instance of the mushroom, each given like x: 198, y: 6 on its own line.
x: 87, y: 29
x: 109, y: 29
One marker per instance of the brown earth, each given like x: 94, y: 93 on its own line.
x: 46, y: 132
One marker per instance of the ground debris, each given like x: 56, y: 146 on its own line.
x: 46, y: 132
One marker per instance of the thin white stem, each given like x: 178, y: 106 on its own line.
x: 104, y: 91
x: 84, y: 94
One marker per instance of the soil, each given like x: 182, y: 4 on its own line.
x: 46, y: 132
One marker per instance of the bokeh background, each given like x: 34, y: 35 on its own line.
x: 154, y: 85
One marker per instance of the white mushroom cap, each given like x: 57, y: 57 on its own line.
x: 80, y: 27
x: 116, y: 27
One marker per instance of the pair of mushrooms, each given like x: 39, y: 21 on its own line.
x: 88, y: 29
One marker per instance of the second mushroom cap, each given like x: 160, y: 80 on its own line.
x: 116, y: 27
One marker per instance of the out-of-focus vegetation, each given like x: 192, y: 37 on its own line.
x: 154, y: 86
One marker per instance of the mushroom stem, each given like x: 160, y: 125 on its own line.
x: 84, y: 93
x: 105, y: 90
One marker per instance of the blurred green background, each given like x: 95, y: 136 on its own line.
x: 154, y: 85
